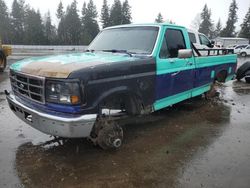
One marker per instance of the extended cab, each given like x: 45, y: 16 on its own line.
x: 127, y: 70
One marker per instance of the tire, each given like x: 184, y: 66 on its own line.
x: 242, y: 70
x: 110, y: 135
x: 243, y: 54
x: 247, y: 77
x: 3, y: 61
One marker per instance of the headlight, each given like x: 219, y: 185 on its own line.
x: 63, y: 92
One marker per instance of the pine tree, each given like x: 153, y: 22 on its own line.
x: 60, y: 12
x: 105, y: 14
x: 245, y: 26
x: 61, y: 35
x: 33, y: 28
x: 159, y: 18
x: 206, y: 22
x: 126, y: 13
x: 18, y: 14
x: 116, y: 13
x: 89, y: 22
x: 4, y: 23
x: 229, y: 30
x: 50, y: 30
x: 218, y: 29
x: 71, y: 24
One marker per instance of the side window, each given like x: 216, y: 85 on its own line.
x: 204, y: 40
x: 192, y: 37
x: 164, y: 53
x: 173, y: 41
x: 248, y: 47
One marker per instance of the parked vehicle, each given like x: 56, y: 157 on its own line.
x: 127, y: 71
x: 230, y: 41
x: 238, y: 48
x: 200, y: 40
x: 245, y: 51
x: 5, y: 51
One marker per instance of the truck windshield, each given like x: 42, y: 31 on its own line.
x: 134, y: 40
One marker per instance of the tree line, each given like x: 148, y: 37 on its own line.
x: 25, y: 25
x: 205, y: 24
x: 212, y: 30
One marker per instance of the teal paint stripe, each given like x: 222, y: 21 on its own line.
x: 163, y: 103
x: 200, y: 90
x: 212, y: 74
x: 230, y: 77
x: 215, y: 60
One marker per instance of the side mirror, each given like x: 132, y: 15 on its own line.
x: 185, y: 53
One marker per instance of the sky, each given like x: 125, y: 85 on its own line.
x: 182, y: 12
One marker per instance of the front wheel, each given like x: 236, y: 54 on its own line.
x: 109, y: 134
x: 243, y: 54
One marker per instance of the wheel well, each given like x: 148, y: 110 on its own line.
x: 221, y: 76
x: 128, y: 102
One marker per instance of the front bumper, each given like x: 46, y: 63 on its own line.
x: 75, y: 127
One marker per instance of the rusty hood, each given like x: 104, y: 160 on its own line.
x: 60, y: 66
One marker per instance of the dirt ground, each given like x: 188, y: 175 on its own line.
x: 197, y: 143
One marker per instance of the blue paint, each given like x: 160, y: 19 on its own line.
x: 53, y: 109
x: 167, y: 85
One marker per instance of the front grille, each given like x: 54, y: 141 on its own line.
x: 28, y: 86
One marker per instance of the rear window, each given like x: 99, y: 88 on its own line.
x: 192, y: 37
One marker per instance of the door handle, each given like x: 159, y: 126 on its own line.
x: 189, y: 63
x: 174, y: 74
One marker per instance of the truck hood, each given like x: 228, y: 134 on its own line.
x: 60, y: 66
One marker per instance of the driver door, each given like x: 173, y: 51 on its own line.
x: 175, y: 76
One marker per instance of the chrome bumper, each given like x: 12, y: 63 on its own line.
x: 76, y: 127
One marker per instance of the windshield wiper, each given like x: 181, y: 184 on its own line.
x: 119, y: 51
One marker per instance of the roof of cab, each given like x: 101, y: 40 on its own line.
x: 145, y: 24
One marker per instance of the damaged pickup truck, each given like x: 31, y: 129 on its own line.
x: 127, y: 70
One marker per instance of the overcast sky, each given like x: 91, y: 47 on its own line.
x: 182, y: 12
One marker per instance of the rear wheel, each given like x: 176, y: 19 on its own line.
x: 2, y: 61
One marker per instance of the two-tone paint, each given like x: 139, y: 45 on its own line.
x: 155, y: 83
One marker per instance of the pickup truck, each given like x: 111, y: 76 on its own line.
x: 127, y: 70
x: 5, y: 51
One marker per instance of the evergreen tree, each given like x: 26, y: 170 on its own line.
x: 229, y: 30
x: 126, y: 13
x: 50, y: 30
x: 116, y: 13
x: 18, y: 14
x: 105, y: 13
x: 60, y: 12
x: 218, y: 29
x: 33, y: 28
x: 61, y: 36
x: 71, y: 24
x: 245, y: 26
x: 4, y: 23
x: 206, y: 22
x: 159, y: 18
x: 89, y: 22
